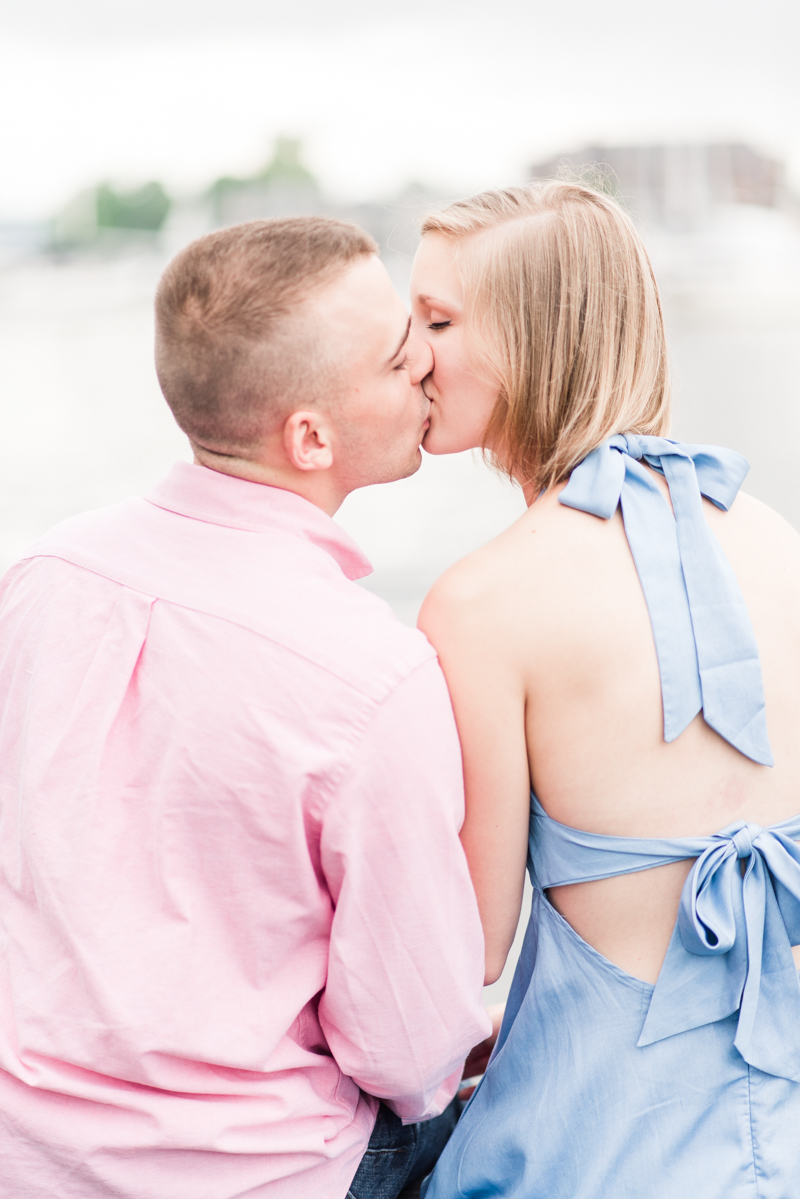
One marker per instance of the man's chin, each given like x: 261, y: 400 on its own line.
x: 392, y: 474
x: 412, y: 465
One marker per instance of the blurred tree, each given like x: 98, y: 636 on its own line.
x: 88, y: 215
x: 145, y: 208
x: 76, y: 223
x: 287, y: 165
x: 285, y: 179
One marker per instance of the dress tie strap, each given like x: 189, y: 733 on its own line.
x: 707, y: 652
x: 731, y: 948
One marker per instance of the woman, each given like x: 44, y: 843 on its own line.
x: 624, y: 664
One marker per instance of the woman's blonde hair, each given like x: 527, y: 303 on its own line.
x: 565, y: 318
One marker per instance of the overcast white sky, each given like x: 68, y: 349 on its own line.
x: 458, y: 93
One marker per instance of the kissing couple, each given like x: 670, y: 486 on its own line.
x: 261, y: 845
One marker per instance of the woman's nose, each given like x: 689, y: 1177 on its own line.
x: 420, y: 357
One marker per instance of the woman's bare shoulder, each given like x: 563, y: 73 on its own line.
x: 754, y: 530
x: 483, y: 591
x: 478, y: 577
x: 756, y: 512
x: 462, y: 595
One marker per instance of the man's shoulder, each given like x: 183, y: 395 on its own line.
x: 380, y: 648
x: 288, y: 593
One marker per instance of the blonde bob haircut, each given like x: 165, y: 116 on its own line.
x: 564, y: 317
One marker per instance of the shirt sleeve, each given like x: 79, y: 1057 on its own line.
x: 403, y: 1002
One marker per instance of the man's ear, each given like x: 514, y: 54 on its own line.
x: 308, y: 441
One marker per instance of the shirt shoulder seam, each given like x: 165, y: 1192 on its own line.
x: 403, y: 670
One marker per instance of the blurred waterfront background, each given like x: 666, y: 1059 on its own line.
x: 128, y: 129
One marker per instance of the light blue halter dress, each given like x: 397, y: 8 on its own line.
x: 602, y: 1086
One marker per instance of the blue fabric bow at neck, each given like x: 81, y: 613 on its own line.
x: 707, y: 652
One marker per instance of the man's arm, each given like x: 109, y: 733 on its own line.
x: 402, y: 1006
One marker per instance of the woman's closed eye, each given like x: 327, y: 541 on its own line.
x: 439, y: 324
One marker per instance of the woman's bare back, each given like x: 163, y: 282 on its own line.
x: 546, y: 641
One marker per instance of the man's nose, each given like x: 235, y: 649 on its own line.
x: 420, y: 358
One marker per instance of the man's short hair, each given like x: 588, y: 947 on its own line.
x: 233, y: 355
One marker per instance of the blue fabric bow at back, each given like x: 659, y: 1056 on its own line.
x: 707, y: 652
x: 731, y: 945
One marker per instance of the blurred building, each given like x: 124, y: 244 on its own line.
x: 675, y: 185
x: 719, y: 222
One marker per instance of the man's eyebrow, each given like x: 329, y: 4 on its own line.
x: 402, y: 343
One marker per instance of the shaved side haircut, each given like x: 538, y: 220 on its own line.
x: 234, y: 355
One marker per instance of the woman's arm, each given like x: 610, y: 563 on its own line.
x: 469, y: 632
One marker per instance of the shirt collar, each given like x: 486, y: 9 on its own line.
x: 208, y: 495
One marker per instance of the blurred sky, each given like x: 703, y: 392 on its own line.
x: 459, y: 93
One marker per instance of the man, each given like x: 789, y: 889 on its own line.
x: 234, y: 906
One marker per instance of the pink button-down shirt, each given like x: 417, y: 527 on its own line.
x: 233, y: 902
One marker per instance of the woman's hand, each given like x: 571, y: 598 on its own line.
x: 478, y: 1059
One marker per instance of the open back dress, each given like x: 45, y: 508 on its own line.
x: 602, y: 1086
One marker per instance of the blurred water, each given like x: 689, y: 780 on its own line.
x: 83, y: 423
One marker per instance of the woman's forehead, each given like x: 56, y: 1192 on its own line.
x: 435, y: 274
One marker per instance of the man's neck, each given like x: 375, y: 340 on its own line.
x: 315, y: 486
